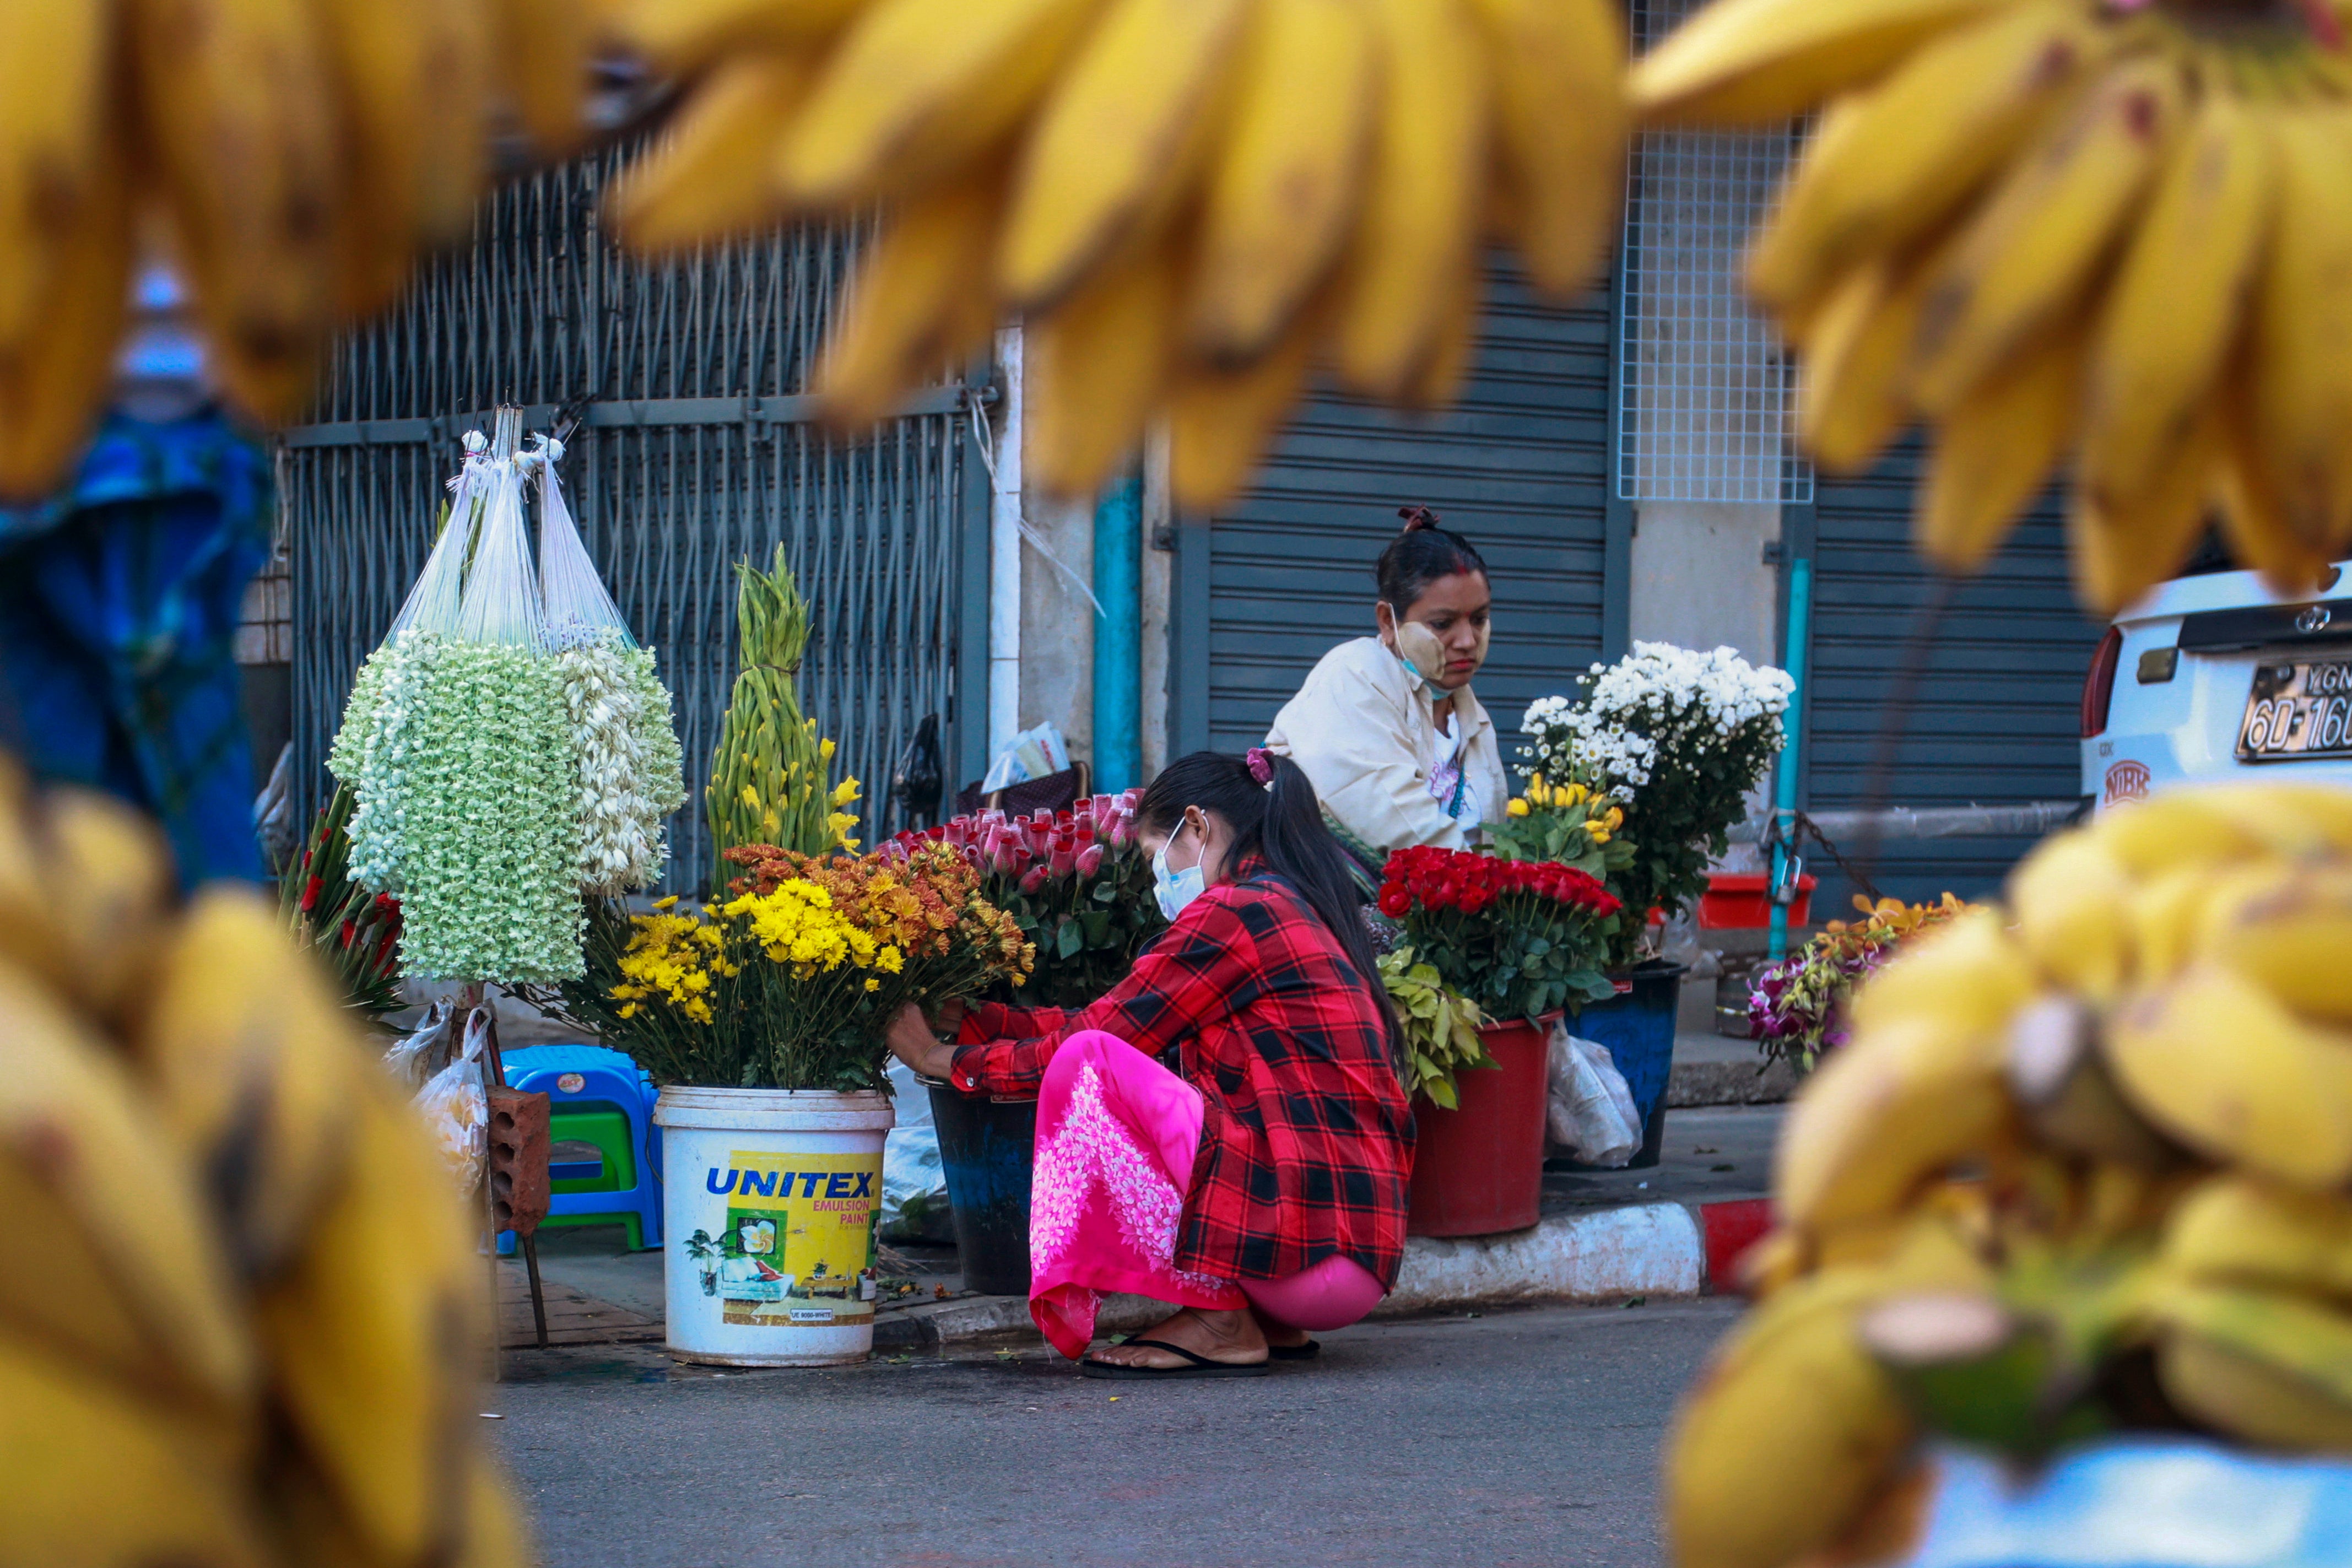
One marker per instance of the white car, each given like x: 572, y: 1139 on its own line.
x: 2211, y: 675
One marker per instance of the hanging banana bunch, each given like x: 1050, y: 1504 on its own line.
x: 288, y: 157
x: 2081, y: 1169
x: 1193, y: 204
x: 2109, y: 233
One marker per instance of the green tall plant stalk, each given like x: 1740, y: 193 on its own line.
x: 770, y: 777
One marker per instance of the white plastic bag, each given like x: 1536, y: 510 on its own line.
x: 914, y: 1184
x: 624, y: 746
x: 1031, y: 755
x: 456, y: 1108
x: 1591, y: 1112
x: 427, y: 1048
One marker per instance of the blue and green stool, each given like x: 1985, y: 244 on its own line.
x: 604, y: 1152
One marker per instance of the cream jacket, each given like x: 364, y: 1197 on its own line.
x: 1363, y: 728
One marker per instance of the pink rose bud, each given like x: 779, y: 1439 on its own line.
x: 1101, y: 804
x: 1120, y: 833
x: 972, y: 857
x: 1007, y: 859
x: 1032, y: 879
x: 936, y: 834
x: 1090, y: 860
x: 1064, y: 862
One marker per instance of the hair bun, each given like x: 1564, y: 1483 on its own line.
x: 1417, y: 518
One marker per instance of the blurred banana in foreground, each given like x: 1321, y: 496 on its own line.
x: 244, y: 1314
x: 1194, y: 205
x: 2084, y: 1166
x: 2112, y: 221
x: 289, y: 158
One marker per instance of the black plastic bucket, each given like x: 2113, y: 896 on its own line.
x: 987, y: 1148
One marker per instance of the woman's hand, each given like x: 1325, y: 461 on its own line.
x: 910, y: 1039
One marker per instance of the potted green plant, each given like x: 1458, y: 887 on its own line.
x: 1520, y: 941
x: 762, y: 1015
x: 1675, y: 738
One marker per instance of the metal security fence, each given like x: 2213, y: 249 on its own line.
x: 1708, y: 390
x: 694, y: 449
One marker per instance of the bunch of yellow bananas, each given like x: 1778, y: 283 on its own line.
x: 288, y: 156
x: 2085, y: 1170
x: 239, y: 1319
x: 1187, y: 200
x: 2053, y: 227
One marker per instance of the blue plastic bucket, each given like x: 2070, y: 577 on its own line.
x: 1637, y: 1025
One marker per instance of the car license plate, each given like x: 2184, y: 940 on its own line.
x: 2297, y: 710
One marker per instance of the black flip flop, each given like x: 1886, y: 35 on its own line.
x: 1307, y: 1351
x: 1201, y: 1366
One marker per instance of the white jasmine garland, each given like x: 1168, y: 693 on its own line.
x: 629, y: 767
x: 483, y: 814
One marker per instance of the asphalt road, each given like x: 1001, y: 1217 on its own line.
x: 1508, y: 1438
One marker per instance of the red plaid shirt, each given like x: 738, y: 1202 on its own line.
x: 1307, y: 1139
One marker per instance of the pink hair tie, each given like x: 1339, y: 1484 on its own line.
x: 1261, y: 766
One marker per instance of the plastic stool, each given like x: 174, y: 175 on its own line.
x: 600, y: 1161
x: 591, y: 1078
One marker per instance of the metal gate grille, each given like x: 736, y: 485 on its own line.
x: 694, y: 450
x: 1708, y: 388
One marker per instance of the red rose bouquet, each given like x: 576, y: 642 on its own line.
x: 1520, y: 938
x: 355, y: 933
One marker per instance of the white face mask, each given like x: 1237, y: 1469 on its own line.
x: 1175, y: 889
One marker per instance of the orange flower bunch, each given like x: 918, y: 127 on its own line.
x: 920, y: 901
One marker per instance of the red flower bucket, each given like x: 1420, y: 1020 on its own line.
x: 1479, y: 1170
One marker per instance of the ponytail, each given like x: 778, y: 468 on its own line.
x: 1271, y: 805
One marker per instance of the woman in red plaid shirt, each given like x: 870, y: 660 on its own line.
x: 1263, y: 1189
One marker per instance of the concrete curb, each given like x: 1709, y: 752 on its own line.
x: 1662, y: 1249
x: 1652, y: 1250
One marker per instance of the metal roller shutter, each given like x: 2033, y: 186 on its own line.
x: 1520, y: 467
x: 1996, y: 717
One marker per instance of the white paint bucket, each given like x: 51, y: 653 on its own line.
x: 769, y: 1203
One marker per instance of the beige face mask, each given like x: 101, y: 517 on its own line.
x: 1421, y: 649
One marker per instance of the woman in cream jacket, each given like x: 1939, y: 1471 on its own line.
x: 1399, y: 751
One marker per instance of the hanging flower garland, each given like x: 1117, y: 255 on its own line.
x: 486, y: 826
x: 628, y: 763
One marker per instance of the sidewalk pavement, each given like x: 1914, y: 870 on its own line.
x: 1673, y: 1230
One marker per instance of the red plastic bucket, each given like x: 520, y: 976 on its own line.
x: 1740, y: 900
x: 1479, y: 1170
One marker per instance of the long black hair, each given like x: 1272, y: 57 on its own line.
x: 1281, y: 822
x: 1424, y: 551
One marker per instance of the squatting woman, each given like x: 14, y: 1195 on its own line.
x: 1262, y: 1185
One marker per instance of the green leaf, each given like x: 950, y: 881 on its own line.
x: 1441, y: 1093
x: 1069, y: 940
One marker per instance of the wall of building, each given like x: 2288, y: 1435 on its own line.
x: 1700, y: 577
